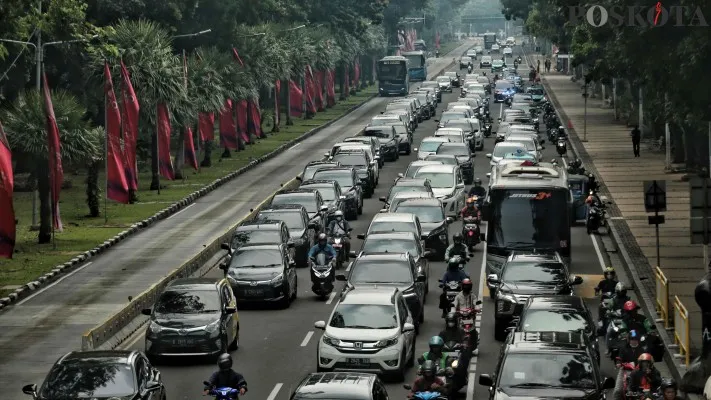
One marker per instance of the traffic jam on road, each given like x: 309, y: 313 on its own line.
x: 444, y: 249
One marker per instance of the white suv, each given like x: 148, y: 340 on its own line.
x: 370, y: 330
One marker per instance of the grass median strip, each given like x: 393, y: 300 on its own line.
x: 82, y: 233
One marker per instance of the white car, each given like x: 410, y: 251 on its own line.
x: 445, y: 83
x: 508, y: 51
x: 369, y: 330
x: 429, y: 146
x: 472, y: 54
x: 356, y: 146
x: 454, y: 134
x: 415, y: 166
x: 447, y: 184
x: 504, y: 148
x: 531, y: 144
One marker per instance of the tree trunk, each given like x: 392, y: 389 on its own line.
x: 276, y: 115
x: 155, y: 178
x: 341, y: 73
x: 306, y: 107
x: 92, y: 188
x: 179, y: 159
x: 287, y: 101
x: 45, y: 204
x: 207, y: 149
x: 678, y: 139
x: 371, y: 75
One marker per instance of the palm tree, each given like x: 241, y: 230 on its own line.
x: 350, y: 48
x: 93, y: 167
x: 374, y: 46
x: 156, y: 73
x: 25, y: 125
x: 304, y: 54
x: 327, y: 53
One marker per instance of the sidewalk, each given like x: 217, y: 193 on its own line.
x: 608, y: 153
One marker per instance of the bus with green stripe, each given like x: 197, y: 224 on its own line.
x: 418, y: 65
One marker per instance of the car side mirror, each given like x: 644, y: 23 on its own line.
x: 407, y: 387
x: 482, y: 236
x: 327, y: 154
x: 377, y: 157
x: 492, y: 279
x: 324, y: 208
x: 488, y: 155
x: 30, y: 390
x: 312, y: 225
x: 608, y: 383
x: 408, y: 327
x: 230, y: 310
x: 415, y: 150
x: 449, y: 220
x: 341, y: 278
x: 383, y: 210
x: 576, y: 280
x: 146, y: 311
x: 478, y: 303
x: 374, y: 162
x: 421, y: 278
x: 460, y: 186
x: 427, y: 253
x: 352, y: 254
x: 292, y: 263
x: 290, y: 244
x: 361, y: 236
x: 320, y: 325
x: 298, y: 177
x: 488, y: 175
x: 226, y: 247
x: 436, y: 120
x: 499, y: 119
x: 400, y: 174
x: 383, y: 199
x: 342, y: 198
x: 485, y: 380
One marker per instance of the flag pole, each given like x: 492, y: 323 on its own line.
x: 158, y: 147
x: 106, y: 155
x: 51, y: 186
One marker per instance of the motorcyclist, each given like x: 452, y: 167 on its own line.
x: 456, y: 248
x: 339, y: 225
x: 429, y: 381
x: 645, y: 377
x: 608, y: 283
x: 452, y: 332
x: 620, y: 298
x: 532, y: 74
x: 226, y: 376
x: 631, y: 352
x: 454, y: 273
x: 477, y: 189
x: 669, y: 390
x: 469, y: 68
x: 470, y: 210
x: 322, y: 246
x: 592, y: 183
x: 561, y: 132
x: 633, y: 319
x: 436, y: 355
x: 466, y: 298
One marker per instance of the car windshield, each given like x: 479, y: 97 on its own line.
x: 437, y: 179
x: 344, y: 178
x: 390, y: 245
x: 429, y: 84
x: 450, y: 150
x: 528, y: 144
x: 525, y: 107
x: 452, y: 136
x: 88, y: 379
x: 391, y: 226
x: 293, y: 220
x: 384, y: 120
x: 379, y: 133
x: 256, y: 258
x: 406, y: 188
x: 412, y: 170
x: 350, y: 159
x: 429, y: 146
x: 535, y: 91
x: 381, y: 271
x: 310, y: 170
x: 426, y: 214
x: 533, y: 272
x: 503, y: 85
x: 519, y: 156
x: 422, y: 97
x: 444, y: 79
x: 328, y: 192
x: 552, y: 320
x: 460, y: 125
x: 546, y: 369
x: 174, y: 301
x: 486, y: 59
x: 497, y: 63
x: 447, y: 115
x: 304, y: 199
x: 444, y: 159
x: 256, y: 236
x: 364, y: 316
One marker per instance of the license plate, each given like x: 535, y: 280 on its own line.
x: 183, y: 342
x: 467, y: 322
x: 358, y: 361
x: 254, y: 292
x: 337, y: 245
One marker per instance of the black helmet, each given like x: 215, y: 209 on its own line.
x: 669, y: 384
x: 224, y: 362
x: 467, y: 285
x: 322, y: 239
x: 477, y: 182
x: 429, y: 369
x: 450, y: 317
x: 454, y: 262
x: 621, y: 289
x: 457, y: 238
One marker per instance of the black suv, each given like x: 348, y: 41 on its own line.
x: 559, y: 314
x: 361, y: 162
x: 301, y: 230
x: 340, y: 385
x: 310, y: 199
x: 546, y: 364
x: 116, y: 374
x: 331, y: 194
x: 525, y: 274
x: 313, y: 166
x: 260, y: 232
x: 351, y: 187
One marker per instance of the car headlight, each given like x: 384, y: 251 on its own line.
x: 213, y: 327
x: 278, y: 280
x: 386, y: 343
x: 154, y: 328
x: 331, y: 341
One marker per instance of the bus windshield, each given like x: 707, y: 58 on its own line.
x: 416, y: 60
x: 525, y: 218
x: 392, y: 70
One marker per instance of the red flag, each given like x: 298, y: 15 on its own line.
x: 7, y: 212
x: 309, y: 90
x: 254, y: 119
x: 319, y: 89
x: 129, y: 125
x: 347, y: 80
x: 165, y: 162
x: 356, y: 73
x: 228, y: 129
x: 237, y: 57
x: 56, y: 174
x: 242, y: 126
x: 190, y: 155
x: 331, y: 87
x: 277, y: 96
x: 437, y: 40
x: 116, y: 183
x: 206, y: 127
x: 296, y: 107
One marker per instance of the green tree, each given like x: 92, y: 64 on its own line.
x: 25, y: 124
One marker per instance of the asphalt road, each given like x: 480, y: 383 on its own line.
x: 278, y: 347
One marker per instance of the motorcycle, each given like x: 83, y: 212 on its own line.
x: 222, y: 393
x: 646, y: 394
x: 323, y: 276
x: 593, y: 222
x: 451, y: 289
x: 338, y: 244
x: 616, y: 335
x: 466, y: 323
x: 471, y: 232
x: 426, y: 395
x: 623, y: 372
x: 469, y: 69
x: 561, y: 146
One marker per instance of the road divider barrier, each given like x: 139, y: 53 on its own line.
x: 681, y: 330
x: 662, y: 295
x: 99, y: 335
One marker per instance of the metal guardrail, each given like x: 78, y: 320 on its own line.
x: 662, y: 295
x: 681, y: 329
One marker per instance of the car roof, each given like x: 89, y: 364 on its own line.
x: 263, y: 224
x: 335, y: 385
x: 437, y: 168
x: 525, y: 256
x: 370, y: 295
x: 322, y: 163
x: 557, y: 302
x: 458, y: 121
x: 419, y: 163
x: 358, y: 139
x: 192, y: 283
x: 341, y: 168
x: 445, y: 129
x: 260, y: 247
x: 384, y: 256
x: 434, y: 157
x: 410, y: 195
x: 422, y: 201
x: 525, y: 342
x: 453, y: 144
x: 391, y: 235
x: 412, y: 181
x: 283, y: 207
x: 115, y: 356
x: 381, y: 127
x: 406, y: 217
x: 299, y: 190
x: 319, y: 182
x: 435, y: 139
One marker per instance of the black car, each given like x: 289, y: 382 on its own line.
x: 426, y: 103
x: 429, y: 97
x: 464, y: 155
x: 503, y: 91
x: 330, y: 193
x: 398, y: 242
x: 301, y: 230
x: 390, y: 269
x: 101, y: 374
x: 435, y: 225
x: 559, y: 314
x: 262, y: 273
x: 310, y: 199
x: 193, y: 316
x: 524, y: 275
x: 433, y: 86
x: 350, y: 184
x: 261, y: 232
x: 340, y: 385
x: 552, y: 365
x: 313, y: 166
x: 388, y: 139
x: 361, y: 162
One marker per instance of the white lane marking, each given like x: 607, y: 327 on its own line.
x: 273, y: 394
x: 139, y: 334
x: 294, y: 146
x: 179, y: 212
x: 54, y: 283
x: 470, y: 386
x: 600, y: 258
x: 305, y: 342
x: 350, y: 264
x: 331, y: 297
x: 565, y: 164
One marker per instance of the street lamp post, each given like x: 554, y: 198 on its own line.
x: 585, y: 113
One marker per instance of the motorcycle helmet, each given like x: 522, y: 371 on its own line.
x: 467, y: 285
x: 339, y: 215
x: 669, y: 383
x: 224, y: 362
x: 645, y: 361
x: 633, y: 339
x: 451, y: 320
x: 620, y: 289
x: 454, y: 262
x: 630, y: 306
x: 436, y: 344
x: 609, y: 273
x: 429, y: 369
x: 477, y: 182
x: 322, y: 239
x: 457, y: 238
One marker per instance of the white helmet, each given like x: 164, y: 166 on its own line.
x: 338, y: 213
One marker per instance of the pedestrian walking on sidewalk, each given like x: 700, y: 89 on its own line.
x: 548, y: 65
x: 636, y: 135
x: 538, y: 66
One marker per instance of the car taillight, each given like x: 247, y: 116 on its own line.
x: 471, y: 233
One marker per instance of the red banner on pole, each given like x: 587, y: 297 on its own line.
x: 254, y: 119
x: 56, y: 173
x: 277, y: 96
x: 129, y: 125
x: 437, y: 41
x: 190, y: 154
x: 116, y: 183
x: 242, y: 125
x: 228, y: 129
x: 165, y: 162
x: 347, y: 80
x: 319, y: 82
x: 296, y: 99
x: 8, y: 227
x: 206, y: 127
x: 331, y: 87
x: 309, y: 88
